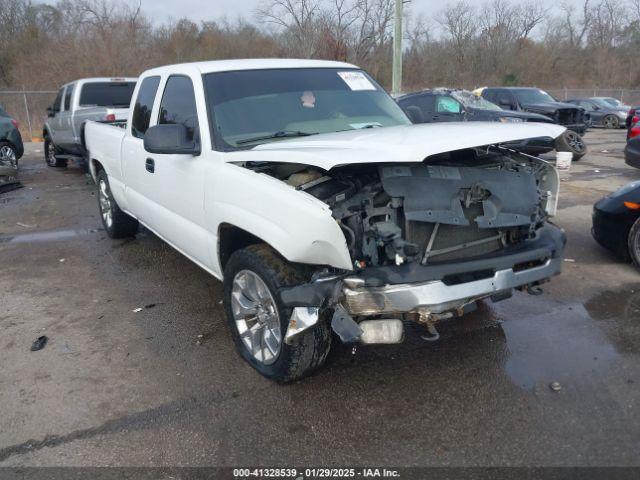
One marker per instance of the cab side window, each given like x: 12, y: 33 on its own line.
x: 67, y: 97
x: 446, y: 104
x: 57, y: 103
x: 143, y: 106
x: 504, y: 100
x: 178, y: 105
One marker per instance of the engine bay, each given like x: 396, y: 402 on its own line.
x: 461, y: 204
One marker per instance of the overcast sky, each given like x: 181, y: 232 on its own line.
x: 197, y: 10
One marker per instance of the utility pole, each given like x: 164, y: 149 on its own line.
x: 396, y: 82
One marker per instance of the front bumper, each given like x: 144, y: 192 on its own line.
x: 437, y: 296
x: 427, y: 289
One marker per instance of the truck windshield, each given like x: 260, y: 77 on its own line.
x: 106, y: 94
x: 250, y: 107
x: 533, y: 95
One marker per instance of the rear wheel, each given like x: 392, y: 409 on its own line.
x: 610, y: 121
x: 570, y: 141
x: 8, y: 155
x: 116, y: 223
x: 50, y: 152
x: 633, y: 243
x: 258, y: 321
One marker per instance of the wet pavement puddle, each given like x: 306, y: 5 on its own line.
x: 572, y: 341
x: 46, y: 236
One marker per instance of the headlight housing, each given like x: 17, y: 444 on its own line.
x: 510, y: 120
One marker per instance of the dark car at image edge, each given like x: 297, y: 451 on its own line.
x: 11, y: 149
x: 616, y: 222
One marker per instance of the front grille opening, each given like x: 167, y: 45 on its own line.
x: 466, y: 277
x: 519, y: 267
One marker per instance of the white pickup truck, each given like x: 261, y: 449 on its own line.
x: 305, y: 189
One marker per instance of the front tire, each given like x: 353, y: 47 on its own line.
x: 116, y: 223
x: 633, y: 243
x: 50, y: 152
x: 570, y: 141
x: 258, y: 321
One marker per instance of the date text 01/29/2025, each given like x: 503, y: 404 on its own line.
x: 312, y: 473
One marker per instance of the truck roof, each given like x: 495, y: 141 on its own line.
x: 247, y: 64
x: 101, y: 79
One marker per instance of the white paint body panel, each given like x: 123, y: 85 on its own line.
x: 187, y: 199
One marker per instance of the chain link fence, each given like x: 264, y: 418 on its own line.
x: 29, y: 108
x: 628, y: 96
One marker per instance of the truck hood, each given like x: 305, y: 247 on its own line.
x: 402, y: 144
x: 550, y: 107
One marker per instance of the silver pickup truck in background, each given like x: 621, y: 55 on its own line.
x: 97, y: 99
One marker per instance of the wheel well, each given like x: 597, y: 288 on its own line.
x: 232, y: 239
x: 96, y: 165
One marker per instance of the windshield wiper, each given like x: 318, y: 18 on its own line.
x: 280, y: 134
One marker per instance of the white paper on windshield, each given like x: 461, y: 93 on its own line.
x: 356, y: 81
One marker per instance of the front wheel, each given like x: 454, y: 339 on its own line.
x: 116, y: 223
x: 570, y: 141
x: 50, y: 152
x: 611, y: 122
x: 258, y: 321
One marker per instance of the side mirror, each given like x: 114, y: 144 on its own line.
x: 51, y: 112
x: 415, y: 114
x: 170, y: 139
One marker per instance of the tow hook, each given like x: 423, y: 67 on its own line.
x: 435, y: 336
x: 534, y: 290
x: 428, y: 321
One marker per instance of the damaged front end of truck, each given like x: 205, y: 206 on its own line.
x: 427, y: 240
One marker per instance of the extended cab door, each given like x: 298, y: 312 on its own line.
x: 176, y: 192
x: 64, y: 134
x: 136, y: 178
x: 54, y: 122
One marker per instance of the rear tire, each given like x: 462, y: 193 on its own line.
x: 258, y: 321
x: 570, y: 141
x: 50, y: 152
x: 633, y: 243
x: 611, y: 122
x: 116, y: 223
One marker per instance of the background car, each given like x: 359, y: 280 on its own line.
x: 11, y: 147
x: 616, y: 222
x: 535, y: 100
x: 453, y: 105
x: 602, y: 113
x: 614, y: 102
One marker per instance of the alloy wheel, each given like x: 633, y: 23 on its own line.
x: 610, y: 122
x: 8, y: 156
x: 575, y: 142
x: 51, y: 155
x: 106, y: 207
x: 256, y: 317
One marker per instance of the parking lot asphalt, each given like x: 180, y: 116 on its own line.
x: 164, y: 386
